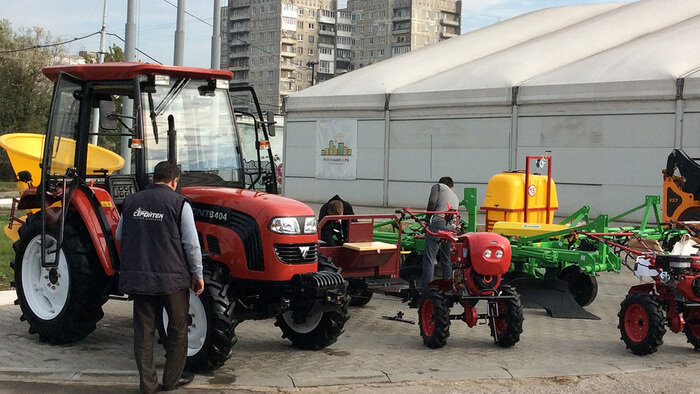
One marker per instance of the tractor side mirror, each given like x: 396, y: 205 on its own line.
x: 270, y: 123
x: 107, y: 111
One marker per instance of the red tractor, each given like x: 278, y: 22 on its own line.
x: 672, y: 299
x: 260, y: 254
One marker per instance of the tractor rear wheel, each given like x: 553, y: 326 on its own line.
x: 61, y: 304
x: 434, y: 319
x: 506, y: 328
x: 641, y: 323
x: 692, y: 327
x: 359, y: 294
x: 211, y: 329
x: 583, y: 287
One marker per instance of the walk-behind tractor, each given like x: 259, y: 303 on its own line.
x: 479, y: 261
x: 672, y: 300
x: 259, y: 249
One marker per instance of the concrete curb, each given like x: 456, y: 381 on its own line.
x: 130, y: 378
x: 7, y: 297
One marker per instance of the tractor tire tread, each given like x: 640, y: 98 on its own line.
x: 656, y: 321
x: 514, y: 320
x: 441, y: 319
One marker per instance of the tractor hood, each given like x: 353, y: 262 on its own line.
x: 259, y: 205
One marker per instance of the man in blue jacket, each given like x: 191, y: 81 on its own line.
x: 160, y: 261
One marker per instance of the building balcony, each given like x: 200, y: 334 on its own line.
x: 239, y: 4
x: 326, y: 19
x: 288, y: 54
x: 326, y: 70
x: 288, y: 40
x: 401, y: 18
x: 239, y: 29
x: 344, y: 46
x: 326, y: 32
x: 239, y: 42
x: 449, y: 22
x: 447, y: 35
x: 239, y: 67
x: 239, y: 16
x: 288, y: 66
x: 401, y: 30
x: 239, y: 55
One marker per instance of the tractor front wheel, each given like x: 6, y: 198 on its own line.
x: 359, y: 294
x: 63, y: 303
x: 692, y: 327
x: 319, y: 330
x: 507, y: 327
x: 211, y: 326
x: 641, y: 323
x: 434, y: 319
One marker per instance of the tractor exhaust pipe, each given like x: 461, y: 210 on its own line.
x: 172, y: 140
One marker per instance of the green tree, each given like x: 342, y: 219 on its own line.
x: 113, y: 54
x: 25, y: 93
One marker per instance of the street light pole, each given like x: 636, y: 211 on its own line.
x: 100, y: 59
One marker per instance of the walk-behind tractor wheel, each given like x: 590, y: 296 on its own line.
x: 359, y: 294
x: 61, y: 304
x: 211, y: 332
x: 506, y: 328
x: 692, y: 326
x: 641, y: 323
x: 583, y: 287
x: 434, y: 319
x: 321, y: 329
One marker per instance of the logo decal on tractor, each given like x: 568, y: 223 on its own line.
x: 201, y: 213
x: 304, y: 251
x: 143, y: 214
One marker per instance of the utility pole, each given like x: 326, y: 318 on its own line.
x: 216, y: 37
x: 129, y: 56
x: 180, y: 34
x: 100, y: 59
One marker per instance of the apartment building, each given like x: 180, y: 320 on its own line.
x: 388, y: 28
x: 283, y: 46
x: 280, y: 47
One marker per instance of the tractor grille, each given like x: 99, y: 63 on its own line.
x: 292, y: 253
x: 213, y: 244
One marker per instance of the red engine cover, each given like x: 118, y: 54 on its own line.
x: 479, y: 243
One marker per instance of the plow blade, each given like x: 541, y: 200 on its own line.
x: 551, y: 294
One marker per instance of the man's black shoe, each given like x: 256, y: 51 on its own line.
x: 185, y: 378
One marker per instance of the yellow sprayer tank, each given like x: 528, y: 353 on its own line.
x: 505, y: 199
x: 26, y: 149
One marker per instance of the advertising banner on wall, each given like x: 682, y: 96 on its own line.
x: 336, y: 149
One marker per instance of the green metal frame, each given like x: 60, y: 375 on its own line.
x: 555, y: 250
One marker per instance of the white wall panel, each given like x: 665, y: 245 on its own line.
x: 359, y: 192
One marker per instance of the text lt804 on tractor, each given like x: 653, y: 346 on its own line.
x: 260, y: 249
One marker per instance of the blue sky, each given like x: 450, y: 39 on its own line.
x: 156, y: 21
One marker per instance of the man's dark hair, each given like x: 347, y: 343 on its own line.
x: 165, y: 172
x: 446, y: 180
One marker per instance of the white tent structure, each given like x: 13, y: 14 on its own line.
x: 609, y: 89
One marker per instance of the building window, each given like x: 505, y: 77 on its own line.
x: 380, y: 52
x: 300, y: 50
x: 311, y: 51
x: 300, y: 25
x: 269, y: 87
x: 436, y: 28
x: 301, y: 11
x: 259, y: 75
x: 311, y: 38
x: 300, y: 37
x: 270, y: 61
x: 427, y: 27
x: 269, y: 74
x: 311, y: 26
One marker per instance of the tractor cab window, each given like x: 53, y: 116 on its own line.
x: 64, y: 126
x: 207, y: 148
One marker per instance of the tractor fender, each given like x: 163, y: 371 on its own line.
x: 644, y: 288
x: 100, y: 216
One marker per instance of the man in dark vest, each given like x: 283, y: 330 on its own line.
x: 160, y: 261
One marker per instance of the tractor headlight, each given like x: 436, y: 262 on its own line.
x: 285, y: 226
x: 499, y: 254
x: 487, y: 253
x: 310, y: 225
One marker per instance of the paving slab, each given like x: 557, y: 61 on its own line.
x: 371, y: 351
